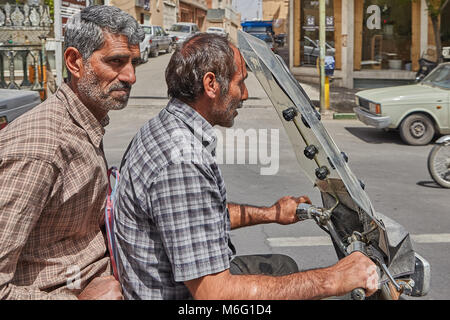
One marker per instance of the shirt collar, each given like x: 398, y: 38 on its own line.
x: 81, y: 114
x: 198, y: 125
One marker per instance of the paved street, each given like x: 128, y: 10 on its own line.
x: 396, y: 178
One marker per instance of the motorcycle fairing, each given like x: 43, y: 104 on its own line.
x: 340, y: 190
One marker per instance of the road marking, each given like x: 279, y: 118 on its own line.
x: 326, y: 241
x: 431, y: 238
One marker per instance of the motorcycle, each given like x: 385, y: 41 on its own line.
x: 425, y: 67
x: 346, y: 214
x: 439, y: 162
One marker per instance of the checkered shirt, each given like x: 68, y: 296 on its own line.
x: 171, y: 220
x: 52, y: 199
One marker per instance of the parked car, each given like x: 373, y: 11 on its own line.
x: 418, y: 111
x: 156, y: 39
x: 14, y: 103
x: 182, y: 30
x: 217, y: 30
x: 311, y: 51
x: 280, y: 39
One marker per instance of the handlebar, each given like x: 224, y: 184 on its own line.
x: 306, y: 211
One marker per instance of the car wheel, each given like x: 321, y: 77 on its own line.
x: 145, y: 56
x: 155, y: 52
x: 417, y: 129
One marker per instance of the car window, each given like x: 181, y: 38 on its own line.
x: 147, y: 30
x: 158, y: 31
x: 309, y: 42
x: 440, y: 77
x: 194, y: 28
x: 180, y: 28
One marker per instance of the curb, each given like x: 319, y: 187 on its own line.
x: 344, y: 116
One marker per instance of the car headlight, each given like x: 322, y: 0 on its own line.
x: 357, y: 100
x: 375, y: 108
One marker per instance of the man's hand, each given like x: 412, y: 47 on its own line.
x: 102, y: 288
x: 286, y: 208
x: 355, y: 271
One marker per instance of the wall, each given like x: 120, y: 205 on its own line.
x: 276, y: 9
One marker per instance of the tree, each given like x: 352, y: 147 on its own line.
x: 435, y: 8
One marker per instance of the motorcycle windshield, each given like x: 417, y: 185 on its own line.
x: 340, y: 189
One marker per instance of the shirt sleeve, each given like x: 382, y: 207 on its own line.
x: 190, y: 214
x: 24, y: 188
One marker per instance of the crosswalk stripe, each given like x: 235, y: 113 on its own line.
x: 326, y: 241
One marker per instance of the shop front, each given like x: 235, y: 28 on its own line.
x: 374, y: 42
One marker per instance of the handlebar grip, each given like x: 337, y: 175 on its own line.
x: 303, y: 211
x: 358, y: 294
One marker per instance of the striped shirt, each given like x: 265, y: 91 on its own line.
x: 171, y: 220
x: 52, y: 198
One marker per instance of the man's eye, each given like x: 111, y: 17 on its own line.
x: 116, y: 61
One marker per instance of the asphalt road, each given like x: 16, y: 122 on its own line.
x: 395, y: 176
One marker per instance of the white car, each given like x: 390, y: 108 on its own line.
x: 418, y: 111
x: 217, y: 30
x: 155, y: 40
x: 183, y: 30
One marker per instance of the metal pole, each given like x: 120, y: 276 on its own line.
x: 322, y: 14
x: 58, y: 39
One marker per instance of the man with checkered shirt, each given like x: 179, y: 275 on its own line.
x: 172, y: 219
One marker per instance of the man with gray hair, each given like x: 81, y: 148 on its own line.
x: 53, y: 172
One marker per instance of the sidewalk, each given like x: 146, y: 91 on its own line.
x: 342, y: 100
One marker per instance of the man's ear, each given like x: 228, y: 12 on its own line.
x: 74, y: 62
x: 210, y: 85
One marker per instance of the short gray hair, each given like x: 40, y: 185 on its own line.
x: 84, y: 31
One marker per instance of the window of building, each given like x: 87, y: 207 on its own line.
x: 386, y: 35
x: 445, y: 26
x: 145, y: 19
x: 310, y: 31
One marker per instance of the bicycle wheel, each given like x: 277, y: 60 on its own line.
x: 439, y: 164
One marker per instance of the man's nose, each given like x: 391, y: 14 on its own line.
x: 245, y: 93
x: 128, y: 74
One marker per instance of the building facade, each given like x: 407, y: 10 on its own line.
x: 221, y: 14
x: 193, y: 11
x: 278, y: 12
x: 170, y: 13
x: 149, y: 12
x: 374, y: 42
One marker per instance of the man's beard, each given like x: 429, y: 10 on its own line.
x: 226, y: 118
x: 89, y: 87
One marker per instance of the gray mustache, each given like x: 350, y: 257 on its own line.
x: 120, y: 86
